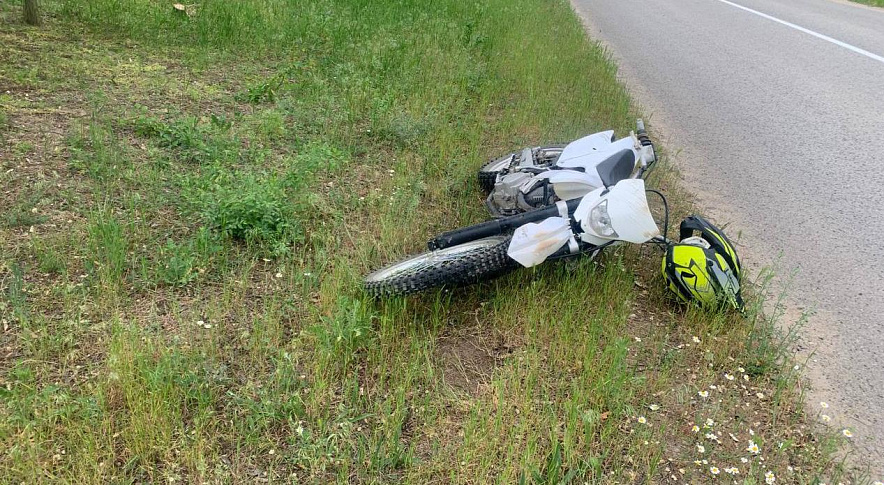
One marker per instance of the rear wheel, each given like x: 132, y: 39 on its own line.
x: 488, y: 173
x: 543, y: 156
x: 459, y: 265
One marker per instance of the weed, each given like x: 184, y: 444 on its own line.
x: 182, y: 263
x: 25, y: 211
x: 340, y: 337
x: 22, y: 215
x: 552, y: 471
x: 15, y: 291
x: 263, y: 92
x: 272, y: 126
x: 107, y: 250
x: 96, y: 151
x: 182, y: 133
x: 255, y: 208
x: 164, y: 393
x: 49, y: 258
x: 191, y: 140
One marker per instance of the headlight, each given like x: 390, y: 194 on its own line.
x: 600, y: 221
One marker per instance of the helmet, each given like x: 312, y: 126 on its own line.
x: 703, y: 268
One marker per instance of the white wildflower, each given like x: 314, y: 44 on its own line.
x: 753, y: 448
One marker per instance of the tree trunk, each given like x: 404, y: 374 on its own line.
x: 32, y: 12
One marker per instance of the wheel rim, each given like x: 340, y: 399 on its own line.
x: 441, y: 255
x: 497, y: 165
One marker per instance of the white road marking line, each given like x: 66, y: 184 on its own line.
x: 808, y: 31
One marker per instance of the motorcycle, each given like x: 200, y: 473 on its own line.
x: 616, y: 211
x: 541, y: 176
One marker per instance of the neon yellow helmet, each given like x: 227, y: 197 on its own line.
x: 703, y: 268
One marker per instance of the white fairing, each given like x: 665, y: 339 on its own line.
x: 587, y: 157
x: 588, y: 144
x: 568, y: 184
x: 627, y: 209
x: 532, y: 243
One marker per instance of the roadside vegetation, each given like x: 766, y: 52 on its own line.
x: 190, y: 198
x: 874, y: 3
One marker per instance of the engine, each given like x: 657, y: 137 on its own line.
x: 507, y: 197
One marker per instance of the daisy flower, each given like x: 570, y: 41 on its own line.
x: 703, y: 393
x: 732, y: 470
x: 696, y: 340
x: 701, y: 448
x: 847, y: 433
x: 769, y: 478
x: 753, y: 448
x: 710, y: 422
x: 714, y: 470
x: 729, y: 377
x: 741, y: 370
x: 695, y: 428
x: 744, y: 460
x: 642, y: 420
x: 826, y: 418
x: 824, y: 404
x: 654, y: 407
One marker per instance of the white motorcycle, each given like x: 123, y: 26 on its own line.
x: 617, y: 210
x: 541, y: 176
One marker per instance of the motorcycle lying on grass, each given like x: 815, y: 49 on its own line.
x: 555, y: 202
x: 541, y: 176
x: 617, y: 210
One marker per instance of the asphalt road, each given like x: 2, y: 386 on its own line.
x: 781, y: 129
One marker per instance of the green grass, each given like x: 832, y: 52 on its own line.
x: 874, y: 3
x: 190, y: 202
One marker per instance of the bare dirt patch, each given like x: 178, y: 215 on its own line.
x: 469, y: 356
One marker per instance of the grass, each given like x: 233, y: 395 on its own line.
x: 874, y: 3
x: 190, y: 200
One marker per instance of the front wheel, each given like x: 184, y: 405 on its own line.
x: 459, y: 265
